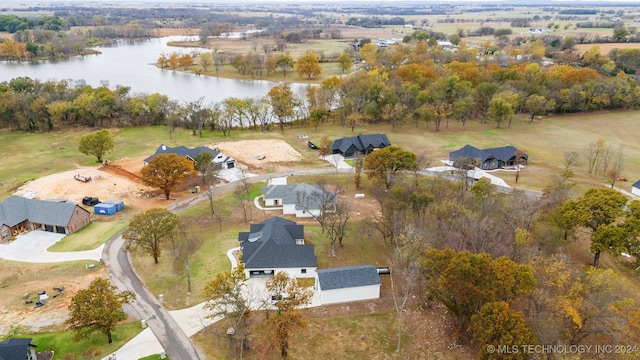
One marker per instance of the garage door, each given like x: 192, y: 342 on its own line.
x: 60, y: 230
x: 48, y: 228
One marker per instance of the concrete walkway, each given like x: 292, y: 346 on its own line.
x: 338, y: 159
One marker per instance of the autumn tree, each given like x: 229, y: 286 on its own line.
x: 97, y: 143
x: 149, y: 229
x: 597, y: 210
x: 97, y: 309
x: 382, y: 165
x: 282, y: 101
x: 308, y: 65
x: 498, y: 325
x: 464, y: 282
x: 167, y: 171
x: 325, y: 146
x: 225, y: 298
x: 287, y: 317
x: 345, y: 63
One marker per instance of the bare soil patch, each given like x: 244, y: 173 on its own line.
x: 606, y: 48
x: 120, y: 180
x: 28, y: 280
x: 259, y: 153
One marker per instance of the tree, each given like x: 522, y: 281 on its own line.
x: 167, y: 171
x: 225, y: 298
x: 308, y: 65
x: 382, y: 165
x: 242, y: 192
x: 538, y: 105
x: 345, y: 63
x: 464, y: 282
x: 284, y: 62
x: 617, y: 165
x: 282, y: 102
x: 502, y: 107
x: 149, y: 229
x: 336, y: 224
x: 287, y: 318
x: 97, y: 143
x: 597, y: 210
x: 497, y: 324
x: 97, y: 309
x: 184, y: 245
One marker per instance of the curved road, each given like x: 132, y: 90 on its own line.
x: 173, y: 340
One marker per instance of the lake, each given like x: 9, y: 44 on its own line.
x: 129, y: 63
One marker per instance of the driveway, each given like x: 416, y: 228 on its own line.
x: 32, y: 248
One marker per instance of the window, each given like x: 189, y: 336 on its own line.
x: 303, y: 271
x: 4, y: 234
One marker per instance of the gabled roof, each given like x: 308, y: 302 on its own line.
x: 190, y: 153
x: 504, y: 153
x: 272, y: 244
x: 361, y: 142
x: 15, y: 348
x: 289, y: 195
x: 347, y: 277
x: 16, y: 209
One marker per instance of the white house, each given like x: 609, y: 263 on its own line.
x: 276, y: 245
x: 301, y: 200
x: 635, y: 188
x: 347, y: 284
x: 220, y: 161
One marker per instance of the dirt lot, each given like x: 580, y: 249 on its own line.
x: 259, y: 153
x: 120, y: 180
x: 606, y: 48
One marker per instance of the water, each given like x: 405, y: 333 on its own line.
x: 131, y: 64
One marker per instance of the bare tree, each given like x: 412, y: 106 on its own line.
x: 403, y: 277
x: 463, y: 165
x: 242, y: 193
x: 184, y: 246
x: 336, y: 223
x: 593, y: 152
x: 318, y: 202
x: 617, y: 166
x: 570, y: 160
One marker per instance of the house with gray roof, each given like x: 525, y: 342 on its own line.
x: 17, y: 349
x: 301, y: 200
x: 220, y: 161
x: 275, y: 245
x: 359, y: 145
x: 491, y: 159
x: 19, y: 214
x: 347, y: 284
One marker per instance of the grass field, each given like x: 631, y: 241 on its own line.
x: 95, y: 347
x: 89, y: 237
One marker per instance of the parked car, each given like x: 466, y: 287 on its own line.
x: 312, y: 146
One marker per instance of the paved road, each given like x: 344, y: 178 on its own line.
x: 174, y: 341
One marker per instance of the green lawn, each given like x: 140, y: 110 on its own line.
x: 89, y: 237
x: 95, y: 347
